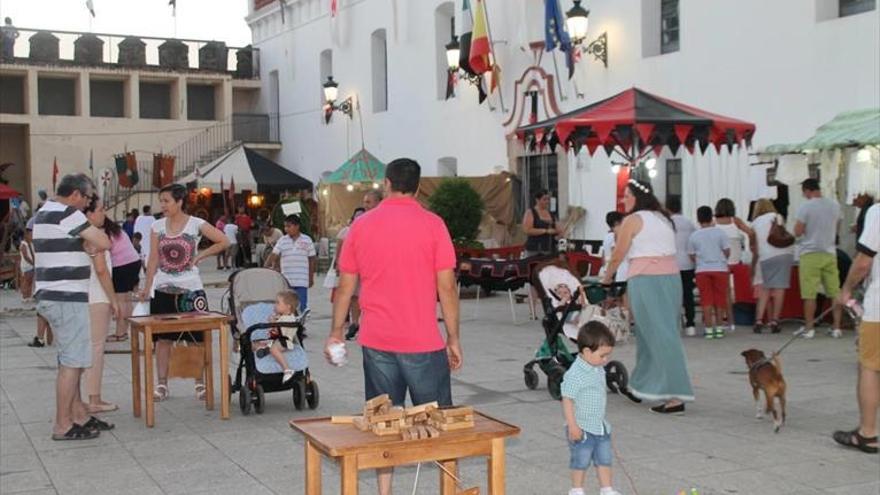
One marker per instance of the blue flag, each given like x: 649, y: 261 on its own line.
x: 556, y: 34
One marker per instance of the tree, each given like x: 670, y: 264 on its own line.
x: 461, y: 207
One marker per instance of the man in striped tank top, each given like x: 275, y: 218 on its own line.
x: 63, y: 267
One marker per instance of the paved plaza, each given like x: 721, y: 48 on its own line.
x: 717, y: 447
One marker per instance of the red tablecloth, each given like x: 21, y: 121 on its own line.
x: 744, y: 292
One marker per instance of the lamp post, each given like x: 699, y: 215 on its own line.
x: 331, y: 92
x: 577, y: 21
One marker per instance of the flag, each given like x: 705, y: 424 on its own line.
x: 54, y: 174
x: 232, y: 194
x: 91, y: 7
x: 334, y: 8
x: 173, y: 4
x: 223, y: 196
x: 467, y: 26
x: 126, y: 169
x: 556, y: 34
x: 479, y: 57
x: 163, y: 170
x: 92, y: 164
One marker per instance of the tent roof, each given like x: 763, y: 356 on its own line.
x: 361, y: 167
x: 7, y: 192
x: 847, y: 129
x: 250, y: 170
x: 633, y: 117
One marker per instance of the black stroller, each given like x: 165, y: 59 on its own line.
x: 252, y: 295
x: 553, y: 357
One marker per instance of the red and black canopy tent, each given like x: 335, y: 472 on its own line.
x: 635, y: 122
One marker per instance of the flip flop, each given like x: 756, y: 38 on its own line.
x: 103, y: 408
x: 76, y: 432
x: 98, y: 425
x: 116, y: 338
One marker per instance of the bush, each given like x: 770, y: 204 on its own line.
x: 461, y: 207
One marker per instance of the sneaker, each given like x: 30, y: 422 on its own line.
x: 719, y: 333
x: 731, y: 328
x: 609, y: 491
x: 835, y: 333
x: 709, y: 333
x: 36, y: 343
x: 807, y: 334
x: 288, y: 374
x: 576, y: 491
x: 690, y: 331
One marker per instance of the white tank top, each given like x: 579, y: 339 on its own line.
x: 96, y: 292
x: 657, y: 237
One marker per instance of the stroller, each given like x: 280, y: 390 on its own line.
x: 562, y: 321
x: 252, y: 301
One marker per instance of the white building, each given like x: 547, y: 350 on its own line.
x: 788, y: 66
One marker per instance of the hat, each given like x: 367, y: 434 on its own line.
x: 810, y: 184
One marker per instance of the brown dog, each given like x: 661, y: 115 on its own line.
x: 766, y: 374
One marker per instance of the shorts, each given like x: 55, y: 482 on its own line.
x: 71, y: 325
x: 164, y: 303
x: 424, y: 374
x: 126, y: 277
x: 592, y: 449
x: 869, y: 345
x: 713, y: 287
x: 776, y: 271
x: 817, y: 269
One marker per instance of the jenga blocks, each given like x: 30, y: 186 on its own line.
x: 420, y: 422
x: 459, y: 418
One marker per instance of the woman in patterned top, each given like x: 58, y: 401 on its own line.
x: 173, y: 282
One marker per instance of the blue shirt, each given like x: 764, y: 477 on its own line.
x: 708, y: 244
x: 585, y: 385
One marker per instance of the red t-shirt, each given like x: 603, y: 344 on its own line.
x: 397, y: 249
x: 244, y: 222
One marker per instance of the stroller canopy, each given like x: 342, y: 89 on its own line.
x: 256, y: 285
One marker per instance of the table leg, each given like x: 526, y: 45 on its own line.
x: 496, y: 467
x: 135, y: 372
x: 148, y: 375
x: 348, y: 470
x: 447, y: 482
x: 208, y: 373
x: 313, y: 470
x: 224, y: 371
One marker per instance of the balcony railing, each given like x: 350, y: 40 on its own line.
x: 241, y: 62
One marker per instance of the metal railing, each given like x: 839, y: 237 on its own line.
x: 200, y: 150
x: 109, y: 57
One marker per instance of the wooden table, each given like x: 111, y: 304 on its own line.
x: 191, y: 322
x: 356, y: 450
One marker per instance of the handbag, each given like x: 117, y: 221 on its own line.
x: 187, y: 359
x: 778, y: 236
x: 331, y: 279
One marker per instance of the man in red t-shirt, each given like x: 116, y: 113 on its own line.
x: 245, y: 224
x: 403, y: 257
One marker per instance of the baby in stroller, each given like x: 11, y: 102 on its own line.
x: 281, y: 338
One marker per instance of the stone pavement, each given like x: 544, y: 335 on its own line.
x: 717, y: 447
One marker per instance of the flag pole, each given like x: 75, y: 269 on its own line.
x: 494, y: 58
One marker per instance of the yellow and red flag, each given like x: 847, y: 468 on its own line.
x: 481, y: 48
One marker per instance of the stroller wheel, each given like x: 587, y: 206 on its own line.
x: 616, y: 377
x: 312, y: 394
x: 299, y: 393
x: 259, y: 400
x: 530, y: 376
x: 554, y: 383
x: 245, y: 399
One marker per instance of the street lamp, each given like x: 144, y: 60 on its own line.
x: 577, y: 21
x: 453, y: 53
x: 331, y: 92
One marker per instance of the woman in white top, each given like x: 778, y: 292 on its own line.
x: 773, y: 262
x: 647, y: 239
x: 354, y: 314
x: 737, y: 232
x: 173, y: 282
x: 102, y: 306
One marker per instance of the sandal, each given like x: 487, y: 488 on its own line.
x: 103, y: 407
x: 161, y: 393
x: 116, y: 338
x: 200, y: 391
x: 98, y: 424
x: 855, y: 440
x: 774, y: 327
x: 76, y: 432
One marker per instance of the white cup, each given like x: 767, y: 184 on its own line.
x: 141, y: 308
x: 338, y: 353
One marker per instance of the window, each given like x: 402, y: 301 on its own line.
x: 155, y: 100
x: 379, y: 50
x: 56, y: 96
x: 106, y: 98
x: 539, y: 172
x: 444, y: 30
x: 673, y: 179
x: 326, y: 68
x: 11, y: 94
x: 669, y: 26
x: 200, y: 102
x: 853, y: 7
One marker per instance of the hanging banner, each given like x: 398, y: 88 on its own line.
x: 126, y: 169
x: 622, y: 180
x: 163, y: 170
